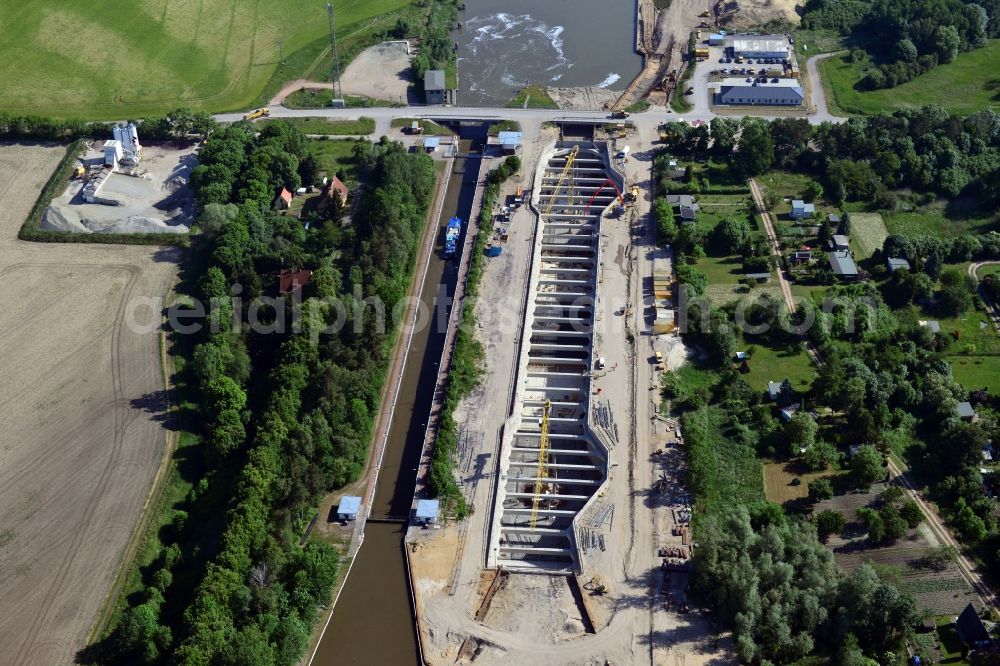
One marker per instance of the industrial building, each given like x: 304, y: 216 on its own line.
x: 749, y: 92
x: 551, y: 462
x: 759, y: 46
x: 436, y: 89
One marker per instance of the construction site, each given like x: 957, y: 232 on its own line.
x: 577, y: 550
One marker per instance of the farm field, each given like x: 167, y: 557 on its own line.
x: 937, y: 591
x: 965, y: 86
x: 160, y: 54
x: 81, y: 417
x: 935, y: 219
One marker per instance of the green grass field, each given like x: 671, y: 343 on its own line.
x: 537, y: 97
x: 106, y: 60
x: 768, y: 364
x: 964, y: 86
x: 723, y: 475
x: 336, y: 155
x: 975, y: 372
x: 868, y: 233
x: 362, y: 125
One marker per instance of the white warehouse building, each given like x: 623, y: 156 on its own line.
x: 759, y: 46
x: 782, y: 92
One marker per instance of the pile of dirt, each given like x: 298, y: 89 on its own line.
x: 67, y: 219
x: 583, y: 99
x: 745, y: 14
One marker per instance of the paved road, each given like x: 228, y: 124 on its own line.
x: 384, y: 116
x: 816, y: 84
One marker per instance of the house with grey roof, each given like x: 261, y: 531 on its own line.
x: 971, y: 629
x: 686, y: 206
x: 895, y: 263
x: 751, y: 92
x: 839, y: 242
x: 931, y: 325
x: 435, y: 90
x: 842, y: 264
x: 965, y: 411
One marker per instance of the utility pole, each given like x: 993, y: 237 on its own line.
x: 337, y: 92
x: 281, y: 51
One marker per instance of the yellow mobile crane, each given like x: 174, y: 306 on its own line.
x: 262, y: 112
x: 543, y: 462
x: 555, y: 192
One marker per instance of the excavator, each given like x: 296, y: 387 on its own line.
x: 262, y: 112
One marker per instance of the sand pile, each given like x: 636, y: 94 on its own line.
x: 67, y: 219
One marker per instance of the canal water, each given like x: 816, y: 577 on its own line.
x: 503, y: 44
x: 372, y: 622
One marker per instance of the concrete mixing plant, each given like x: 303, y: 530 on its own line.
x: 128, y: 137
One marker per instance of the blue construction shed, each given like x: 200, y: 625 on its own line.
x: 348, y: 507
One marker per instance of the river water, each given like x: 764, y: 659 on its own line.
x: 372, y: 622
x: 567, y: 43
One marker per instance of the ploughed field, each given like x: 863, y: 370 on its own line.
x: 80, y: 412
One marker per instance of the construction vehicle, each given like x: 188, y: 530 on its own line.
x: 262, y: 112
x: 617, y: 115
x: 79, y: 171
x: 570, y: 158
x: 704, y: 14
x: 633, y: 194
x: 543, y: 460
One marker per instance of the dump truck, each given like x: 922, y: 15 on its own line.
x: 262, y: 112
x: 452, y: 233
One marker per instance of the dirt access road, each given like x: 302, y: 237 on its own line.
x: 80, y: 409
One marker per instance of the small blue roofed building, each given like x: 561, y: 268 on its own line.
x: 348, y: 507
x: 750, y: 92
x: 509, y: 142
x: 895, y: 263
x: 971, y: 629
x: 716, y: 39
x: 431, y: 143
x: 427, y: 511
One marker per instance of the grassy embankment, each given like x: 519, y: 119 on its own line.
x: 536, y: 97
x: 178, y: 52
x: 965, y: 86
x: 318, y: 99
x: 361, y: 126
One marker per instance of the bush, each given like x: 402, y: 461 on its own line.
x: 829, y: 522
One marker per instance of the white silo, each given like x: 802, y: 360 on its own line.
x: 133, y: 137
x: 121, y: 135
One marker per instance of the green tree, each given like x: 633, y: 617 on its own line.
x: 812, y: 191
x: 755, y: 152
x: 867, y: 466
x: 911, y: 513
x: 957, y: 291
x: 820, y: 455
x: 800, y: 431
x: 820, y: 489
x: 829, y: 522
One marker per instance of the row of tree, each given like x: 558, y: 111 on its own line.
x: 286, y: 416
x: 179, y: 123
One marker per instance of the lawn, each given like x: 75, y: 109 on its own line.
x: 94, y: 60
x: 769, y: 364
x: 360, y: 126
x: 722, y: 473
x: 972, y: 332
x: 975, y: 372
x: 537, y: 97
x: 965, y: 86
x: 336, y: 155
x: 868, y: 233
x: 779, y: 477
x: 318, y: 99
x: 940, y: 218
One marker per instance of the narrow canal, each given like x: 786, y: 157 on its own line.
x: 373, y: 620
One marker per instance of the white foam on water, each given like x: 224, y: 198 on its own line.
x: 610, y: 79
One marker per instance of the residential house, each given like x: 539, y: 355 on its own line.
x: 971, y: 629
x: 686, y: 206
x: 842, y: 264
x: 786, y: 413
x: 284, y: 199
x: 965, y: 411
x: 895, y: 263
x: 291, y: 280
x: 802, y: 210
x: 833, y: 219
x: 800, y: 257
x: 774, y: 390
x: 839, y: 242
x: 931, y: 325
x: 335, y: 185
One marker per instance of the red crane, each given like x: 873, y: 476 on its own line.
x: 607, y: 182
